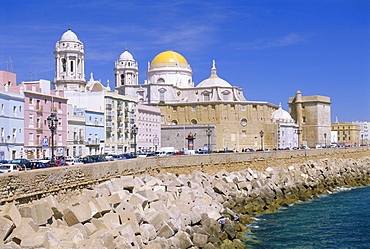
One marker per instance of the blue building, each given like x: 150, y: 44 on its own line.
x: 94, y: 136
x: 11, y: 121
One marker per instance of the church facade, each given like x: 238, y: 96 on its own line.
x: 236, y: 122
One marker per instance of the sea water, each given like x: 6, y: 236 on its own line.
x: 337, y: 220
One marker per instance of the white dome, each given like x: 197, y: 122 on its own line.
x: 69, y: 36
x: 126, y: 56
x: 281, y: 116
x: 214, y: 80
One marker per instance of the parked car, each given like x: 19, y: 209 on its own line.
x: 129, y: 155
x: 8, y: 167
x: 38, y: 165
x: 118, y: 157
x: 21, y: 161
x: 3, y: 161
x: 72, y: 162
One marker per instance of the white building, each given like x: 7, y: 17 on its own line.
x: 287, y: 129
x: 149, y: 133
x: 364, y: 132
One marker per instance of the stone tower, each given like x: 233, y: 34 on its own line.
x: 126, y: 70
x: 70, y: 67
x: 312, y: 114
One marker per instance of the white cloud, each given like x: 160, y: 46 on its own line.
x: 288, y: 40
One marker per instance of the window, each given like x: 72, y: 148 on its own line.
x: 71, y: 66
x: 64, y: 63
x: 206, y: 97
x: 243, y: 122
x: 244, y: 107
x: 194, y: 121
x: 304, y: 119
x: 193, y: 108
x: 30, y: 121
x: 2, y: 109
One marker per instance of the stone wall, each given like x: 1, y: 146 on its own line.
x: 18, y: 185
x: 172, y: 211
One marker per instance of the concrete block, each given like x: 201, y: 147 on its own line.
x: 31, y: 241
x: 102, y: 204
x: 65, y: 245
x: 124, y: 206
x: 117, y: 197
x: 11, y: 245
x: 82, y: 212
x: 90, y: 228
x: 129, y: 217
x: 138, y: 199
x: 165, y: 231
x: 147, y: 232
x: 126, y: 231
x: 149, y: 194
x: 111, y: 220
x: 154, y: 218
x: 200, y: 240
x: 26, y: 227
x: 184, y: 239
x: 6, y: 226
x: 11, y: 212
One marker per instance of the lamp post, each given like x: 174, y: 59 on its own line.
x: 325, y: 138
x: 362, y: 139
x: 134, y: 130
x: 209, y: 133
x: 261, y: 134
x: 299, y: 133
x: 52, y: 124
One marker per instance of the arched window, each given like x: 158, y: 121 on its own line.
x: 71, y: 66
x: 174, y: 122
x: 160, y: 80
x: 122, y: 79
x: 194, y: 121
x: 64, y: 64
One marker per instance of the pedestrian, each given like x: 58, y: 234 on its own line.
x: 222, y: 221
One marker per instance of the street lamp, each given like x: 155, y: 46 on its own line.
x: 134, y: 133
x: 325, y: 138
x: 209, y: 133
x: 261, y: 134
x: 299, y: 133
x: 52, y: 124
x: 362, y: 138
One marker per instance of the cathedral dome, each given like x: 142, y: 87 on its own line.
x: 281, y: 116
x: 169, y: 58
x: 69, y: 36
x: 127, y: 56
x: 214, y: 80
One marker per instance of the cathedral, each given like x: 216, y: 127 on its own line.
x: 214, y: 112
x: 211, y: 115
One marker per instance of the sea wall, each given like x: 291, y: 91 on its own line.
x: 172, y: 211
x: 35, y: 183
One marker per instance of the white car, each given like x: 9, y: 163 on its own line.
x: 8, y: 167
x: 71, y: 162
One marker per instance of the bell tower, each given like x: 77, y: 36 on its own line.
x: 70, y: 63
x: 126, y: 70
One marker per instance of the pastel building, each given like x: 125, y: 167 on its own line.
x: 11, y: 117
x: 39, y: 103
x: 76, y: 131
x: 149, y: 133
x: 109, y: 116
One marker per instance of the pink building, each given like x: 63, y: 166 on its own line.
x: 39, y: 103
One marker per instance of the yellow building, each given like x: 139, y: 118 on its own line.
x: 347, y: 133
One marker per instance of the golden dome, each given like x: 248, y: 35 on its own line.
x: 169, y: 58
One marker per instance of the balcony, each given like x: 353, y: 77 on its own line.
x: 108, y: 129
x: 109, y: 118
x: 126, y: 109
x: 127, y: 120
x: 39, y: 108
x: 108, y: 106
x: 39, y: 127
x: 119, y: 118
x: 119, y: 107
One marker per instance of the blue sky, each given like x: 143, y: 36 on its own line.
x: 271, y: 49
